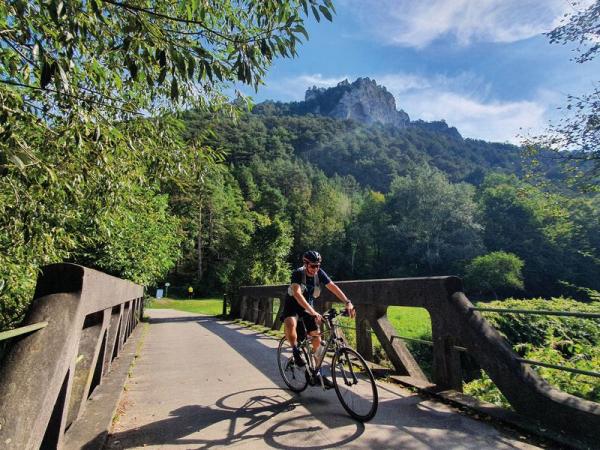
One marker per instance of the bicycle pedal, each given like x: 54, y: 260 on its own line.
x: 315, y: 379
x: 327, y: 383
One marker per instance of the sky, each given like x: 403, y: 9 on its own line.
x: 483, y: 66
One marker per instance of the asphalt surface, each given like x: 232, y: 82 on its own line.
x: 203, y: 383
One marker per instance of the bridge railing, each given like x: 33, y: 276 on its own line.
x: 456, y: 327
x: 48, y: 374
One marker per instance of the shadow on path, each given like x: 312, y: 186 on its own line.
x: 260, y: 407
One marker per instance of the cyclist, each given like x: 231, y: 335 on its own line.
x: 305, y: 287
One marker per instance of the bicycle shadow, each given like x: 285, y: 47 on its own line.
x: 190, y: 426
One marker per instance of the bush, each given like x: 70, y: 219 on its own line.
x: 495, y: 272
x: 565, y: 341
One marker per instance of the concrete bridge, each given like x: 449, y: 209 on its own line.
x: 199, y: 382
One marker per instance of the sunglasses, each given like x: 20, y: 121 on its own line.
x: 314, y: 266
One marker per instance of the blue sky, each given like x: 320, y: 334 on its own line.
x: 484, y: 66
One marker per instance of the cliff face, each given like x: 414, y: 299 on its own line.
x: 363, y: 101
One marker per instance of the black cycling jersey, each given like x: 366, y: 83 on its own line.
x: 310, y: 289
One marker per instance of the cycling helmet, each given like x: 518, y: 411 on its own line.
x: 311, y: 256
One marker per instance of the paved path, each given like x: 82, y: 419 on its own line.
x: 204, y: 383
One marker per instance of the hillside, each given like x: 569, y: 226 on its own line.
x: 354, y: 129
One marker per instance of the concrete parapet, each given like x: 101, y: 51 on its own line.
x: 47, y: 376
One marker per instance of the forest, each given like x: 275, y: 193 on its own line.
x: 382, y: 202
x: 376, y: 201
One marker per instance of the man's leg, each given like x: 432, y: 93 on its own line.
x: 289, y: 327
x: 316, y: 340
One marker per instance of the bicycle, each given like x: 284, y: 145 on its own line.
x: 353, y: 380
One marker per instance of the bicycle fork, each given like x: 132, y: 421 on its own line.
x: 347, y: 382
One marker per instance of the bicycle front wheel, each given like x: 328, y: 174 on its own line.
x: 354, y: 384
x: 293, y: 375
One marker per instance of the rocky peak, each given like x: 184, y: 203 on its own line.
x: 363, y: 101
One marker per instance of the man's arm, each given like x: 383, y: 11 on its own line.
x: 335, y: 290
x: 297, y: 293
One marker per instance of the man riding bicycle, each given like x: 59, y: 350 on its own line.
x: 305, y: 287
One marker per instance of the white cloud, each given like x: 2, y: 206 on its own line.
x: 465, y: 103
x: 418, y: 23
x: 494, y: 121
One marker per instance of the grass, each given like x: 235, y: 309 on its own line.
x: 207, y: 306
x: 410, y: 322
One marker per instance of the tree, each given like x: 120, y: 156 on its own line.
x: 366, y: 235
x: 92, y: 62
x: 551, y: 233
x: 494, y: 272
x: 576, y: 137
x: 432, y: 225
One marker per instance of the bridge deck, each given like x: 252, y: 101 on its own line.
x: 202, y: 383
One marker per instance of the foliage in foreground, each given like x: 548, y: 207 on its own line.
x: 88, y: 138
x: 578, y: 131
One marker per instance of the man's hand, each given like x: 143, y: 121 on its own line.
x: 318, y: 317
x: 350, y: 309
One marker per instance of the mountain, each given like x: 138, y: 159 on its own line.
x: 355, y: 130
x: 362, y: 101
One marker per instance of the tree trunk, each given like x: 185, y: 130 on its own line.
x: 199, y: 274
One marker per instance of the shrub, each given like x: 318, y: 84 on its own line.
x: 494, y: 272
x: 565, y: 341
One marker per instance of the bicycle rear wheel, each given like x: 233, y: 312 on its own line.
x: 293, y: 375
x: 354, y: 384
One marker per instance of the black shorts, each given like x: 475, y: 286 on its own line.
x: 306, y: 323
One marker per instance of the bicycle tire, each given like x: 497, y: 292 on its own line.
x: 293, y: 376
x: 354, y: 384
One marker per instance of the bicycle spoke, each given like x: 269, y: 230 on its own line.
x: 350, y: 366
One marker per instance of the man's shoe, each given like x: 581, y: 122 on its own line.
x: 327, y: 383
x: 298, y: 358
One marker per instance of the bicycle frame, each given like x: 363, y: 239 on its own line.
x: 348, y: 369
x: 334, y: 341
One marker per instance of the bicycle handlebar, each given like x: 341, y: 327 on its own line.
x: 333, y: 313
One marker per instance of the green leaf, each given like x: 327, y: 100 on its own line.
x: 48, y: 69
x: 191, y: 66
x: 325, y: 12
x: 162, y: 75
x: 52, y: 174
x: 316, y: 13
x: 161, y: 56
x: 301, y: 29
x: 305, y: 7
x: 17, y: 161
